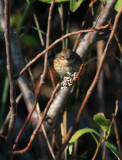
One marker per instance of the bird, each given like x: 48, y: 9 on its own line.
x: 67, y: 61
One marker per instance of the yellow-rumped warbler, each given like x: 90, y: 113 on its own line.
x: 67, y: 61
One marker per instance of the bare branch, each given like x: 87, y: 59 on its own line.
x: 90, y: 38
x: 10, y: 75
x: 57, y: 41
x: 90, y: 90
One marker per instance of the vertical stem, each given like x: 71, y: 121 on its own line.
x: 47, y: 38
x: 10, y: 75
x: 62, y: 22
x: 97, y: 149
x: 117, y: 138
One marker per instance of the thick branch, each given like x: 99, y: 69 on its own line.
x: 90, y: 38
x: 91, y: 87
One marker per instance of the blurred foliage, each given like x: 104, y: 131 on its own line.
x: 31, y: 41
x: 16, y: 19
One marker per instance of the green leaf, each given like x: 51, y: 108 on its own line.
x: 49, y: 1
x: 101, y: 121
x: 118, y: 5
x: 113, y: 149
x: 74, y: 4
x: 79, y: 134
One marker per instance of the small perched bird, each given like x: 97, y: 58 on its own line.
x: 67, y: 61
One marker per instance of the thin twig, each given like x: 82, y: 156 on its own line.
x: 90, y: 38
x: 38, y: 28
x: 60, y: 9
x: 92, y: 2
x: 104, y: 151
x: 57, y: 41
x: 97, y: 149
x: 48, y: 142
x: 116, y: 38
x: 64, y: 131
x: 40, y: 84
x: 26, y: 122
x: 39, y: 124
x: 52, y: 77
x: 90, y: 89
x: 10, y: 75
x: 47, y: 41
x: 44, y: 72
x: 116, y: 133
x: 8, y: 116
x: 44, y: 115
x: 45, y: 134
x: 82, y: 25
x: 5, y: 123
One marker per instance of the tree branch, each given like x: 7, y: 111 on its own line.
x: 10, y: 75
x: 90, y: 90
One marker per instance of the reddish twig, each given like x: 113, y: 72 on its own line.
x: 57, y: 41
x: 97, y: 149
x: 116, y: 133
x: 39, y: 124
x: 117, y: 40
x: 11, y: 79
x: 115, y: 129
x: 44, y: 115
x: 52, y: 77
x: 92, y: 2
x: 90, y: 89
x: 26, y: 122
x: 82, y: 25
x: 40, y: 83
x: 78, y: 74
x: 90, y: 38
x: 44, y: 74
x: 104, y: 151
x: 47, y: 42
x: 10, y: 75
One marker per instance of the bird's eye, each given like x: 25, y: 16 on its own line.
x: 62, y: 57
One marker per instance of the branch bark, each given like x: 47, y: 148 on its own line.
x: 83, y: 47
x: 11, y: 79
x: 90, y: 90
